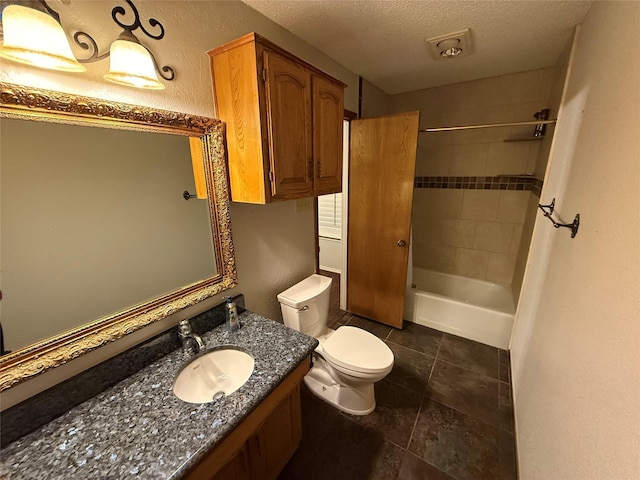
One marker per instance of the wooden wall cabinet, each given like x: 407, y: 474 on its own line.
x: 283, y: 122
x: 260, y: 447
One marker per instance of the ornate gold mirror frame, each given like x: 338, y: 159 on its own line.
x: 44, y: 105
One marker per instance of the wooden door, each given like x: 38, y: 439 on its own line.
x: 328, y: 113
x: 289, y: 122
x: 381, y: 177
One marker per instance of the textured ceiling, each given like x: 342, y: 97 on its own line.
x: 383, y: 40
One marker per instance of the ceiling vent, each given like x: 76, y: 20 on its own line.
x: 450, y: 45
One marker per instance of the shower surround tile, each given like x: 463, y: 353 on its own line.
x: 471, y: 263
x: 493, y: 237
x: 512, y: 206
x: 469, y: 159
x: 434, y: 256
x: 457, y: 232
x: 501, y: 267
x: 478, y: 181
x: 480, y: 205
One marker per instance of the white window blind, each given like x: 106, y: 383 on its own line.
x: 330, y: 216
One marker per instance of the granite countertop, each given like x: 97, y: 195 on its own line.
x: 139, y: 429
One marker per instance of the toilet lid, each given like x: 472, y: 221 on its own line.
x: 358, y: 350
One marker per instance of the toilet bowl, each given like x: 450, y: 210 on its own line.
x: 347, y: 361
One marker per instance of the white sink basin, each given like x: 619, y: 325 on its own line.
x: 212, y: 374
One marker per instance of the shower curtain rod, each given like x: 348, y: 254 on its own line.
x: 486, y: 125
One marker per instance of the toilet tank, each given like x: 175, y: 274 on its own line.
x: 305, y: 306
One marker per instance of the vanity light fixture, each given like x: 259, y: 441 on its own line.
x: 132, y: 64
x: 29, y: 34
x: 36, y: 38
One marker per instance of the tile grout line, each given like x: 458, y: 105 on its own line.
x: 412, y: 349
x: 424, y: 394
x: 413, y: 429
x: 435, y: 359
x: 442, y: 402
x: 388, y: 334
x: 467, y: 369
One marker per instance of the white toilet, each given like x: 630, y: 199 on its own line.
x: 348, y: 360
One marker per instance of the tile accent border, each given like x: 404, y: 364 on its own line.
x: 531, y: 184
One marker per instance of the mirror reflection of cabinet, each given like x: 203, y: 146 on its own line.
x: 284, y: 122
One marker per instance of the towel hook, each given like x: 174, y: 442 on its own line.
x: 548, y: 211
x: 186, y: 195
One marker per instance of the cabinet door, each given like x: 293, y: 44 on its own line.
x: 288, y: 94
x: 277, y: 439
x: 237, y: 469
x: 328, y: 115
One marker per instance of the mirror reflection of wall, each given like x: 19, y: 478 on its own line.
x: 93, y: 222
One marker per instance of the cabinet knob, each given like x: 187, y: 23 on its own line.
x: 401, y: 243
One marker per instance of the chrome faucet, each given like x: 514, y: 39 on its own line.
x: 187, y: 336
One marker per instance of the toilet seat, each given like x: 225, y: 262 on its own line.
x: 357, y: 351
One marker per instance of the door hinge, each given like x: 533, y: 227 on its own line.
x: 271, y: 179
x: 264, y: 74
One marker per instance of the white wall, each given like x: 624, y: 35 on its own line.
x: 557, y: 88
x: 576, y: 343
x: 375, y: 102
x: 274, y: 244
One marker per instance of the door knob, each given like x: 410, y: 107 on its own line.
x: 401, y: 243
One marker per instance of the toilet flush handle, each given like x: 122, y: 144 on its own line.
x: 304, y: 309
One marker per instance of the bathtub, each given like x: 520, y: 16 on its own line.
x: 467, y: 307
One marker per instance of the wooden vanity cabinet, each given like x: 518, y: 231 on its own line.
x: 283, y: 121
x: 260, y: 447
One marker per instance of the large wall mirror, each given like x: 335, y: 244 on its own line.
x: 96, y: 237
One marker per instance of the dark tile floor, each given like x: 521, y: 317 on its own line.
x: 444, y: 412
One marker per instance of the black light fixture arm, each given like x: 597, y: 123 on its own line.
x: 86, y: 41
x: 136, y: 21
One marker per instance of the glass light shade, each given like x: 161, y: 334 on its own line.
x: 35, y: 38
x: 131, y: 65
